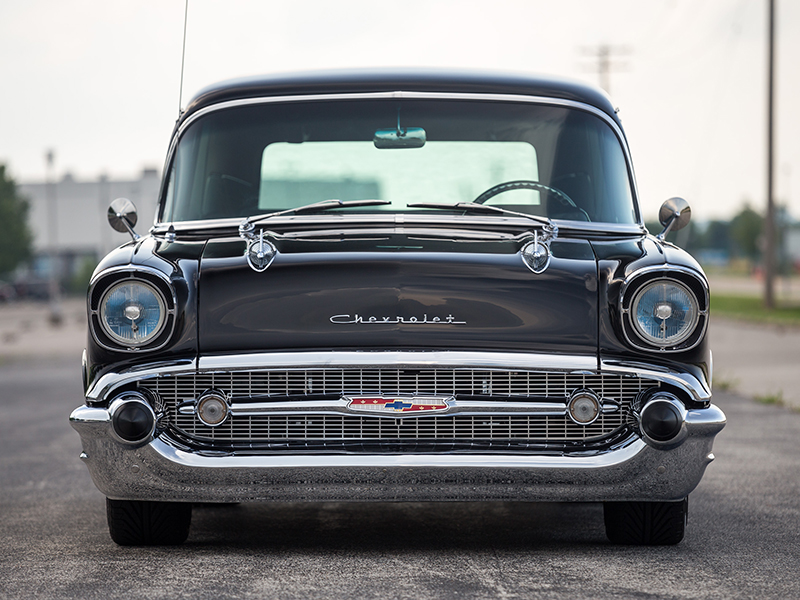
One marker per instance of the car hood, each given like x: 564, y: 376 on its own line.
x: 398, y: 291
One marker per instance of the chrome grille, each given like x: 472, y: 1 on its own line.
x: 299, y: 384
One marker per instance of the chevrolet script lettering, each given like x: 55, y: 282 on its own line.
x: 372, y: 320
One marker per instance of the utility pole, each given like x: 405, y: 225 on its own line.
x: 54, y: 290
x: 104, y: 200
x: 769, y: 224
x: 605, y: 62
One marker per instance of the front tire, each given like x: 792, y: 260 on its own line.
x: 646, y: 523
x: 140, y: 523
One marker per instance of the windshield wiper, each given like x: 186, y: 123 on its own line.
x: 481, y: 208
x: 315, y: 207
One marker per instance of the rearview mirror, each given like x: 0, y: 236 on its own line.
x: 410, y: 137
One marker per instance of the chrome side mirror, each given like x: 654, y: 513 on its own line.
x: 122, y: 217
x: 674, y: 215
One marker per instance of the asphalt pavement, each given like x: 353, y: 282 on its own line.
x: 742, y: 539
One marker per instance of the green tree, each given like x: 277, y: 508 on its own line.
x: 16, y: 240
x: 718, y: 235
x: 745, y: 231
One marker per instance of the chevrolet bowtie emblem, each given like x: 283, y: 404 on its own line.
x: 394, y: 405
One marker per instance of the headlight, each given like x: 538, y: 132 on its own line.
x: 665, y: 313
x: 132, y: 312
x: 664, y: 308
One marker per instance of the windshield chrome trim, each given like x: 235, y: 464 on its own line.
x: 565, y: 228
x: 400, y: 94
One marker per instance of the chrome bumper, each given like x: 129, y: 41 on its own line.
x: 161, y: 471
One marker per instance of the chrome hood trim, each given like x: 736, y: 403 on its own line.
x: 400, y: 359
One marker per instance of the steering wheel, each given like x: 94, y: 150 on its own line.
x: 524, y: 184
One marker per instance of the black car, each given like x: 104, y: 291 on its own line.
x: 398, y: 286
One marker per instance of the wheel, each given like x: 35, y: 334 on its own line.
x: 646, y: 523
x: 139, y: 523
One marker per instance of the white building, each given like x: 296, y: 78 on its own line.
x: 80, y: 209
x: 78, y: 231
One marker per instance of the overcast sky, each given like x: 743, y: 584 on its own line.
x: 98, y: 81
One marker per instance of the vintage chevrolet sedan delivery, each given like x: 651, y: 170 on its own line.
x: 398, y: 286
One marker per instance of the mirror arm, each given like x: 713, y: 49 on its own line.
x: 135, y: 236
x: 667, y: 226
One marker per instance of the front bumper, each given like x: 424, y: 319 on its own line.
x: 160, y: 470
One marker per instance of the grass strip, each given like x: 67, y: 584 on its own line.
x: 750, y: 308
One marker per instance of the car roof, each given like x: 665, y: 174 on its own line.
x: 394, y: 79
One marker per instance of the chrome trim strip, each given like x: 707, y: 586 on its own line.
x: 108, y: 382
x: 455, y: 407
x: 661, y: 268
x: 399, y: 94
x: 592, y: 461
x: 687, y: 382
x: 129, y: 268
x: 399, y: 360
x: 565, y: 227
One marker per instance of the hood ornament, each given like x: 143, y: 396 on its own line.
x: 260, y: 252
x: 536, y: 254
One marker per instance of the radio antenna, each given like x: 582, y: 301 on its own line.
x: 183, y: 56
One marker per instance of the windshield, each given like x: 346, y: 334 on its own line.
x: 541, y: 160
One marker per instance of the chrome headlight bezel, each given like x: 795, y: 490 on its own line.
x: 663, y: 289
x: 155, y: 282
x: 684, y: 281
x: 157, y: 304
